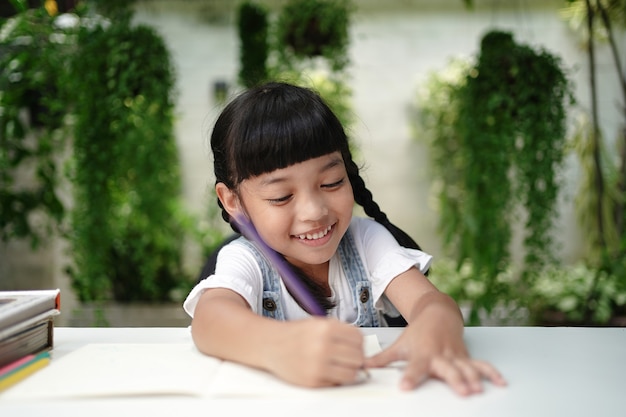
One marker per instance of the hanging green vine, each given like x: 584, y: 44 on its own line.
x: 252, y: 26
x: 306, y: 43
x: 95, y: 94
x: 498, y: 144
x: 33, y: 51
x: 128, y: 219
x: 306, y: 29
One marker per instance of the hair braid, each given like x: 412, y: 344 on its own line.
x: 363, y: 197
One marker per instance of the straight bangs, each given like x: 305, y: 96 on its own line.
x: 282, y: 132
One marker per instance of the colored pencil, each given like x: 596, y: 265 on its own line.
x: 15, y: 374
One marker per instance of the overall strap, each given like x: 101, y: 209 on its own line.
x: 272, y: 307
x: 353, y: 269
x: 359, y: 282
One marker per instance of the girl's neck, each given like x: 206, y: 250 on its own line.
x: 319, y: 274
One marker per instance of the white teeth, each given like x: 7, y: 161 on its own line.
x: 315, y: 235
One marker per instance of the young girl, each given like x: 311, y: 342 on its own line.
x: 282, y: 159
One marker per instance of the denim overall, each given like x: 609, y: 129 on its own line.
x: 352, y: 268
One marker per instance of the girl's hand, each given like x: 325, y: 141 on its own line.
x: 432, y: 344
x: 317, y: 352
x: 435, y: 350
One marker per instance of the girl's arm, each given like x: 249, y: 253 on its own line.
x: 314, y: 352
x: 432, y: 343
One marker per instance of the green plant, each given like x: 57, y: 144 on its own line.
x: 310, y: 48
x: 436, y: 115
x: 319, y: 31
x: 33, y: 55
x: 108, y: 87
x: 601, y: 199
x: 116, y: 10
x: 461, y: 282
x: 332, y: 88
x: 560, y: 295
x: 500, y: 155
x: 128, y: 219
x: 606, y: 245
x: 314, y: 28
x: 252, y: 25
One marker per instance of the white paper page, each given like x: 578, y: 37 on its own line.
x: 113, y: 370
x: 234, y: 380
x: 127, y: 370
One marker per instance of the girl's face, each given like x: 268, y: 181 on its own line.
x: 301, y: 211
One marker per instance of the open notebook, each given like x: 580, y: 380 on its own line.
x: 115, y: 370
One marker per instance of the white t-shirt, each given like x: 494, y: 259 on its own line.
x: 383, y: 259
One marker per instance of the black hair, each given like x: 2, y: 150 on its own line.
x: 272, y: 127
x: 276, y: 125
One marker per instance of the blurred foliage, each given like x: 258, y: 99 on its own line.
x: 592, y: 291
x: 307, y: 44
x: 465, y: 285
x: 558, y: 295
x: 565, y: 291
x: 114, y: 10
x: 575, y: 13
x: 335, y: 92
x: 611, y: 246
x: 307, y: 29
x: 126, y: 232
x: 109, y: 87
x: 252, y: 26
x: 601, y: 198
x: 497, y: 138
x: 33, y: 54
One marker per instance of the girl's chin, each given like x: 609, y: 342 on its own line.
x: 312, y: 255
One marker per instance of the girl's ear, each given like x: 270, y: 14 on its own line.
x: 229, y: 199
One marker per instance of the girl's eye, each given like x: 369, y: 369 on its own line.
x: 285, y: 199
x: 279, y: 200
x: 334, y: 184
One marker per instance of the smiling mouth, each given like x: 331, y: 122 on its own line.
x: 315, y: 236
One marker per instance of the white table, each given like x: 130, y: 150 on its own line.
x: 551, y: 372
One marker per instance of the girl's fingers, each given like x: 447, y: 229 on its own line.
x: 452, y: 374
x: 379, y: 360
x: 416, y: 372
x: 384, y: 358
x: 341, y: 375
x: 464, y: 376
x: 350, y: 359
x: 472, y: 375
x: 489, y: 372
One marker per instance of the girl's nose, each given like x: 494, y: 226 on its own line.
x: 312, y: 208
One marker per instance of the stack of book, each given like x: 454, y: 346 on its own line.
x: 26, y: 332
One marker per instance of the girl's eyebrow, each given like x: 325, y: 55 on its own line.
x: 335, y: 160
x: 270, y: 179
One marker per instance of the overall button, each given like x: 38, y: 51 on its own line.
x: 269, y: 304
x: 365, y: 295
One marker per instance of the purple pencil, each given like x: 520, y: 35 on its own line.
x: 291, y: 280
